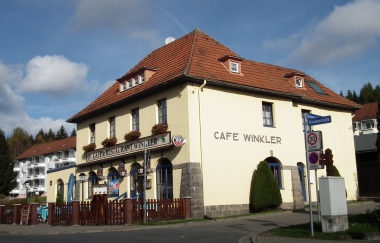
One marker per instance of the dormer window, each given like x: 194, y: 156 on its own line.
x: 142, y: 78
x: 135, y: 81
x: 234, y: 67
x: 129, y: 84
x: 299, y: 82
x: 122, y: 87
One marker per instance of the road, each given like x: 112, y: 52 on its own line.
x: 225, y: 230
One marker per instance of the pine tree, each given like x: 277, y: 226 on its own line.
x: 73, y: 133
x: 367, y: 94
x: 40, y: 137
x: 349, y: 95
x: 50, y: 136
x: 61, y: 134
x: 264, y: 193
x: 341, y: 93
x: 7, y: 175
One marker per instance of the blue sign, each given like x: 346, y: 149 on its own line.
x: 313, y: 120
x: 70, y: 187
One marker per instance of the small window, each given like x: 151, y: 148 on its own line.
x: 267, y: 115
x: 129, y: 84
x: 316, y: 88
x: 112, y: 123
x: 299, y: 82
x: 122, y: 87
x: 135, y: 81
x: 142, y: 78
x: 234, y: 66
x: 135, y: 120
x: 92, y: 133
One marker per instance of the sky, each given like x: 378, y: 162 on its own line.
x: 56, y: 57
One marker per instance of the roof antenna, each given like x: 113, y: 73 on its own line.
x: 168, y: 40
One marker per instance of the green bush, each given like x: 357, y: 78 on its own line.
x: 264, y: 194
x: 335, y: 172
x: 59, y: 199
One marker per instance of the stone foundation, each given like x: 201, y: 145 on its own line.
x: 226, y: 210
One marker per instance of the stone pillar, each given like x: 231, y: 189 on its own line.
x: 76, y: 213
x: 127, y: 211
x: 297, y: 189
x: 16, y: 214
x: 33, y: 213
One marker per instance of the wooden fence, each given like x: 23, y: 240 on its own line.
x: 125, y: 211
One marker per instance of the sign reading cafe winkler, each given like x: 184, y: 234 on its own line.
x: 137, y: 146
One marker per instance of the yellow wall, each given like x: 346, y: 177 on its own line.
x: 53, y: 178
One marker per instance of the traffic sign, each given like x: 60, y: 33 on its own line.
x: 314, y: 141
x: 313, y: 120
x: 313, y: 160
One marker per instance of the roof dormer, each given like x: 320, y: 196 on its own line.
x: 232, y: 63
x: 135, y: 78
x: 296, y: 78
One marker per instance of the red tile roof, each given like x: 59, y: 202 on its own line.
x: 369, y: 111
x: 48, y: 148
x: 197, y: 55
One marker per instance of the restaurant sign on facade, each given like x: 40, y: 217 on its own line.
x: 133, y: 147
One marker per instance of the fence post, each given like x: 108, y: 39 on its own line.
x: 16, y: 214
x: 76, y: 212
x: 33, y: 213
x: 51, y: 206
x: 128, y: 211
x: 2, y: 214
x: 186, y: 207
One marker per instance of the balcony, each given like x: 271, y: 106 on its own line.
x: 39, y: 189
x: 16, y: 169
x: 14, y: 192
x: 40, y: 176
x: 40, y: 165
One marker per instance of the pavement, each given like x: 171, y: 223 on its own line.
x: 258, y: 235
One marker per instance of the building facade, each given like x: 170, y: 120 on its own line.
x: 365, y: 119
x: 32, y: 165
x: 224, y: 113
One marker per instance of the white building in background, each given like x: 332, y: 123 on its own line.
x: 32, y: 165
x: 365, y: 119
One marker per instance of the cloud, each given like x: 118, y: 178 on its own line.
x: 54, y: 76
x: 350, y: 30
x: 12, y: 107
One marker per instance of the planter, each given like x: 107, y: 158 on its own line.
x: 90, y: 147
x: 159, y: 128
x: 108, y: 142
x: 133, y: 135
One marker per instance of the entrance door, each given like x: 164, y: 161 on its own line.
x: 301, y: 172
x: 136, y: 183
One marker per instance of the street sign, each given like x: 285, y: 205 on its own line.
x: 314, y: 141
x: 313, y: 160
x: 313, y: 120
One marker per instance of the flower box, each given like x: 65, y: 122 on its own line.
x: 159, y: 128
x: 132, y: 135
x: 90, y: 147
x: 108, y: 142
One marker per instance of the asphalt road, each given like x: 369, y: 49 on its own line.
x: 226, y: 230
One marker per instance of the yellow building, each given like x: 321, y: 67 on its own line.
x: 227, y: 112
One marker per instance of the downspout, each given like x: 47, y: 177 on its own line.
x: 200, y: 141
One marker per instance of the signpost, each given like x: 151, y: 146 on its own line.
x: 313, y: 142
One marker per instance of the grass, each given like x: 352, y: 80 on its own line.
x: 357, y: 228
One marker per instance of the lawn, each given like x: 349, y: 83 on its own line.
x: 357, y: 228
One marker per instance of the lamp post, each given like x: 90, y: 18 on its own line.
x: 26, y: 189
x: 82, y: 179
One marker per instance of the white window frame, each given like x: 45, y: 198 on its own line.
x: 142, y: 78
x: 234, y: 67
x: 299, y: 84
x: 129, y: 84
x: 122, y: 86
x: 135, y: 81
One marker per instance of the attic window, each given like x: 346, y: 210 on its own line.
x: 142, y: 78
x: 299, y: 82
x: 129, y: 84
x: 122, y: 87
x: 316, y: 88
x: 234, y: 67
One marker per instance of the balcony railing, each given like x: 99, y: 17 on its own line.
x: 16, y: 169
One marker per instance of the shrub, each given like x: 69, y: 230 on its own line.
x: 132, y: 135
x: 59, y: 199
x: 90, y: 147
x: 373, y: 217
x: 335, y: 172
x: 264, y: 194
x: 159, y: 128
x: 109, y: 142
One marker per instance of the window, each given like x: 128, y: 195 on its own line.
x: 164, y: 174
x: 162, y: 116
x: 135, y: 81
x: 142, y: 78
x: 92, y: 133
x: 122, y: 86
x: 92, y: 180
x: 129, y: 84
x: 112, y: 127
x: 299, y: 82
x: 316, y: 88
x: 276, y: 169
x: 267, y: 115
x: 135, y: 120
x: 234, y: 67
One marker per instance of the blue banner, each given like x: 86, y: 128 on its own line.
x: 114, y: 187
